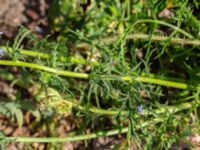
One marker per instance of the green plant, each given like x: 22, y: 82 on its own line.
x: 144, y: 83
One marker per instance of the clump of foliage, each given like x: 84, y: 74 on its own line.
x: 112, y: 62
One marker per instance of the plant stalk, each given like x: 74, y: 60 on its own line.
x: 150, y: 80
x: 105, y: 41
x: 77, y: 137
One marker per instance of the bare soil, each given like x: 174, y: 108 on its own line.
x: 30, y: 13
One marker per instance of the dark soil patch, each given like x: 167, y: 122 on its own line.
x: 30, y: 13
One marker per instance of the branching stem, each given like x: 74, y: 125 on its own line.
x: 105, y: 41
x: 171, y: 109
x: 77, y: 137
x: 151, y: 80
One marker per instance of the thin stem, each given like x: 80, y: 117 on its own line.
x: 167, y: 83
x: 165, y: 24
x: 46, y: 56
x: 153, y: 37
x: 105, y: 41
x: 160, y: 110
x: 100, y: 111
x: 44, y: 68
x: 151, y: 80
x: 162, y: 82
x: 66, y: 139
x: 157, y: 81
x: 171, y: 109
x: 83, y: 61
x: 77, y: 137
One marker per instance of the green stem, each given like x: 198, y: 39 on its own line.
x: 157, y: 81
x: 151, y: 80
x: 165, y: 24
x: 77, y: 137
x: 105, y: 41
x: 153, y: 37
x: 160, y: 110
x: 100, y: 111
x: 47, y: 56
x: 171, y: 109
x: 89, y: 136
x: 44, y: 68
x: 66, y: 139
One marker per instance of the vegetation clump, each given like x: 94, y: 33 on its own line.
x: 116, y: 68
